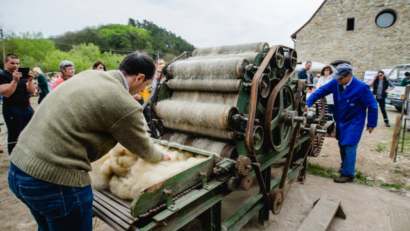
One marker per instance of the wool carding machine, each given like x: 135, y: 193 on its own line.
x: 238, y: 106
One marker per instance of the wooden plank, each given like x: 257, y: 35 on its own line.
x: 105, y: 214
x: 118, y: 200
x: 396, y: 132
x: 105, y: 200
x: 321, y: 216
x: 400, y: 218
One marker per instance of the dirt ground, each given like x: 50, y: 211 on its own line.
x: 366, y: 207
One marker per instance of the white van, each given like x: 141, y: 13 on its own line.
x: 395, y: 97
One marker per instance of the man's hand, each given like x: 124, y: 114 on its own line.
x: 17, y: 76
x: 306, y: 108
x: 369, y: 129
x: 30, y: 76
x: 166, y: 157
x: 137, y: 96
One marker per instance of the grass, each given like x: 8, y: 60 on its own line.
x: 381, y: 147
x: 360, y: 178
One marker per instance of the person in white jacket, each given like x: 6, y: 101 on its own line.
x: 324, y: 79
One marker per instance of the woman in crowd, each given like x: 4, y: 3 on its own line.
x: 99, y: 66
x: 324, y: 79
x: 42, y: 83
x: 67, y: 71
x: 380, y: 88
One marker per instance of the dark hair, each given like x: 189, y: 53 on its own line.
x: 11, y: 56
x: 407, y: 73
x: 138, y: 63
x: 97, y: 63
x: 322, y: 72
x: 382, y: 72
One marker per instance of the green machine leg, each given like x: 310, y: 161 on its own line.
x: 211, y: 218
x: 264, y: 212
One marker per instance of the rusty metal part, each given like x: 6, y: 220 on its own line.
x: 253, y: 102
x: 276, y: 196
x: 278, y: 60
x: 280, y: 101
x: 291, y: 60
x: 243, y: 165
x: 289, y: 156
x: 258, y: 137
x: 246, y: 182
x: 321, y: 110
x: 233, y: 184
x: 264, y: 86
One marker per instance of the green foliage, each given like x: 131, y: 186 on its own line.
x: 396, y: 186
x: 318, y: 170
x: 142, y: 36
x: 381, y: 147
x: 360, y: 178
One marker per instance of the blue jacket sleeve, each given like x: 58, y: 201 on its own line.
x: 320, y: 93
x: 300, y: 75
x: 370, y: 102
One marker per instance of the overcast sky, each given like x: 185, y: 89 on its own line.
x: 202, y: 23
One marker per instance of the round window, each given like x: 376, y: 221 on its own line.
x: 386, y: 19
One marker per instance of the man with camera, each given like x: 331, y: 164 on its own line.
x: 15, y: 86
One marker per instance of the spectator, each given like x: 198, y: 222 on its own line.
x: 352, y: 99
x: 99, y: 66
x: 1, y: 99
x: 55, y: 77
x: 50, y: 84
x: 17, y: 111
x: 53, y: 156
x: 67, y: 71
x: 159, y: 62
x: 41, y: 83
x: 326, y: 78
x: 305, y: 73
x: 380, y: 88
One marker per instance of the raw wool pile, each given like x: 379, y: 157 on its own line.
x: 124, y: 174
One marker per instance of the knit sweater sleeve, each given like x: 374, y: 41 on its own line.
x: 129, y: 131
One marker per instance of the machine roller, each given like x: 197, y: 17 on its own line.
x: 238, y: 106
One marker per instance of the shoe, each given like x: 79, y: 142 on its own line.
x: 343, y: 179
x: 1, y: 151
x: 388, y: 125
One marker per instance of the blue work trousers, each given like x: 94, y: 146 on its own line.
x: 348, y: 154
x: 16, y: 119
x: 54, y: 207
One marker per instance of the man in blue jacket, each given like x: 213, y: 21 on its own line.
x: 306, y: 73
x: 352, y: 98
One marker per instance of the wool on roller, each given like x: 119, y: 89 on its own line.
x: 206, y: 97
x: 249, y: 56
x: 231, y: 49
x: 231, y: 68
x: 199, y: 143
x: 225, y: 134
x: 140, y: 174
x: 195, y: 114
x: 219, y: 85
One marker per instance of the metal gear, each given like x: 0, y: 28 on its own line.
x: 246, y: 182
x: 276, y: 198
x: 321, y: 111
x: 243, y: 165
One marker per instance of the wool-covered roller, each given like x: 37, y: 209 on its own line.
x: 233, y: 49
x: 229, y: 99
x: 220, y: 85
x: 248, y: 55
x: 198, y: 115
x: 225, y: 134
x: 231, y: 68
x: 222, y: 149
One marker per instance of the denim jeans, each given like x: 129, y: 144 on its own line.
x: 16, y: 119
x: 348, y: 155
x: 54, y: 207
x: 330, y: 110
x: 382, y: 105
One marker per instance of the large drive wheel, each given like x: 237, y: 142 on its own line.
x: 277, y: 133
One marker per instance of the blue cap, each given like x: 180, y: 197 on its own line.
x: 342, y: 70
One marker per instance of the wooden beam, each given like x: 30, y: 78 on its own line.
x: 325, y: 209
x: 395, y: 136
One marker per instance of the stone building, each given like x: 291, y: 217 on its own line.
x: 371, y: 34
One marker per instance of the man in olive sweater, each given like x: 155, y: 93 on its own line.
x: 77, y: 124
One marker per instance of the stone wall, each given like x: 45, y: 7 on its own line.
x: 325, y: 38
